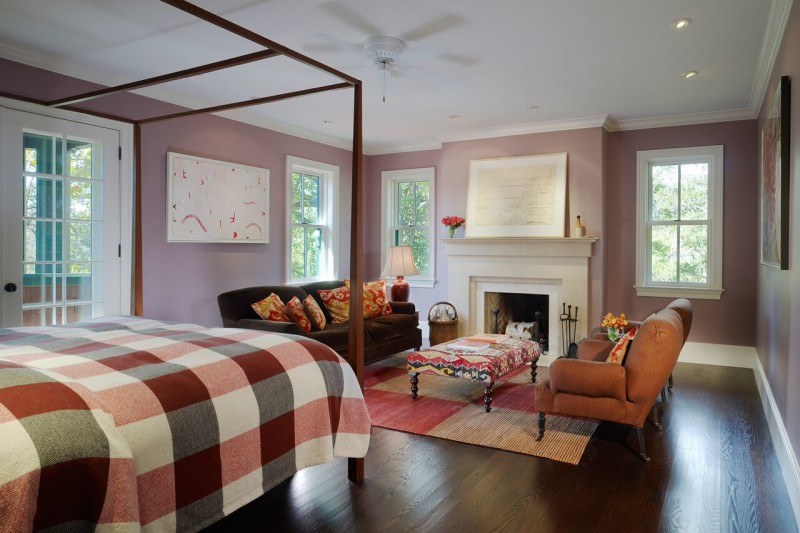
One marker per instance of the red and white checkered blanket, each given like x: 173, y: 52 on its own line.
x: 129, y: 423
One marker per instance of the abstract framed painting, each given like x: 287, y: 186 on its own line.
x: 775, y: 179
x: 517, y: 196
x: 216, y: 201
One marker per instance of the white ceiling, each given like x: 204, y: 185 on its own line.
x: 582, y: 62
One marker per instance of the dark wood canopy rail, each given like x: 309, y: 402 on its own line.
x: 272, y: 49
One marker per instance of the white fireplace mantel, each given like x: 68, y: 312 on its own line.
x: 557, y: 267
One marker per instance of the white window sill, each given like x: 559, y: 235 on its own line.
x: 679, y: 292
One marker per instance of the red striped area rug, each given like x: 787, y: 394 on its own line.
x: 453, y: 409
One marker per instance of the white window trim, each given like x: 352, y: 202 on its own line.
x: 714, y: 154
x: 329, y: 206
x: 388, y: 179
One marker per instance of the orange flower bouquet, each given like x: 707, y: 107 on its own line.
x: 614, y: 325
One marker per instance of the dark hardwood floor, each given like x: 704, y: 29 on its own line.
x: 713, y: 468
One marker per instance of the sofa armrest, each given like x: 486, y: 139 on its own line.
x: 403, y: 308
x: 268, y: 325
x: 594, y: 350
x: 588, y: 378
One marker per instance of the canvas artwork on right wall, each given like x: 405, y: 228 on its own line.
x: 775, y: 179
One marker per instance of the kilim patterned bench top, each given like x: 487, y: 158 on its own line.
x: 485, y: 364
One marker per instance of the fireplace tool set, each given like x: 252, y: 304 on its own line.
x: 569, y: 323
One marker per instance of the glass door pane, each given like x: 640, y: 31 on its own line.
x: 62, y: 225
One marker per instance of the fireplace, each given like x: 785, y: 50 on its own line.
x: 518, y: 315
x: 555, y: 268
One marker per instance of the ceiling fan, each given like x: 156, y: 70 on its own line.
x: 383, y: 51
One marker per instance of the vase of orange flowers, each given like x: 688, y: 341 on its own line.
x: 614, y: 325
x: 453, y: 223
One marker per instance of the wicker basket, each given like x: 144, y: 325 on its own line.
x: 442, y: 330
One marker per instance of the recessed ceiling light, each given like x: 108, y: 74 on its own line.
x: 454, y: 117
x: 327, y: 122
x: 689, y: 74
x: 681, y: 24
x: 533, y: 108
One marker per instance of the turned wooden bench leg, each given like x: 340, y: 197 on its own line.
x: 414, y: 382
x: 487, y: 396
x: 533, y: 371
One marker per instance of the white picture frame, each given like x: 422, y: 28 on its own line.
x: 216, y: 201
x: 517, y: 196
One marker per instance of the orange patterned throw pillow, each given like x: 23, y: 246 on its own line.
x: 337, y: 301
x: 315, y: 314
x: 272, y: 308
x: 620, y: 349
x: 298, y: 314
x: 375, y: 301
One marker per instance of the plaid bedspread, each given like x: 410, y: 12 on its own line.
x: 125, y: 423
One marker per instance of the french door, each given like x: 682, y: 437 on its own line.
x: 60, y: 222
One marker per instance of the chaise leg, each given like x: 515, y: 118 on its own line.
x: 670, y: 383
x: 642, y: 451
x: 487, y: 396
x: 656, y: 422
x: 540, y: 423
x: 663, y: 395
x: 414, y: 382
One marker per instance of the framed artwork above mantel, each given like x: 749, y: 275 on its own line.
x: 517, y: 196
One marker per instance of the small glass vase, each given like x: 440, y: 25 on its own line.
x: 452, y: 231
x: 614, y: 333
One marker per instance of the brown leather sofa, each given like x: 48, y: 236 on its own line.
x: 383, y: 335
x: 591, y: 388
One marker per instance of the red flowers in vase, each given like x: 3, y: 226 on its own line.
x: 453, y: 223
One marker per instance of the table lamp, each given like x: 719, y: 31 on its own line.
x: 400, y: 263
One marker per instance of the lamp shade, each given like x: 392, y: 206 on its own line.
x: 399, y: 262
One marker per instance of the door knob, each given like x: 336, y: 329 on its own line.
x: 10, y: 287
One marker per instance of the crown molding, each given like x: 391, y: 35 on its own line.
x: 392, y: 149
x: 66, y: 68
x: 680, y: 120
x: 527, y: 128
x: 773, y: 37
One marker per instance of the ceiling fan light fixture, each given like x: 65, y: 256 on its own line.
x: 382, y: 49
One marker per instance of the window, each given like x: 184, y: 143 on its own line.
x: 312, y: 190
x: 408, y: 200
x: 679, y: 222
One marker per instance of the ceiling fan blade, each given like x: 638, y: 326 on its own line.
x: 437, y: 25
x: 351, y: 18
x: 331, y: 43
x: 459, y: 59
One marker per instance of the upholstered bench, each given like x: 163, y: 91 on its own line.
x: 485, y: 364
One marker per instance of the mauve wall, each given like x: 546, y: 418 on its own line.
x: 182, y: 280
x: 725, y: 321
x: 778, y: 309
x: 585, y: 190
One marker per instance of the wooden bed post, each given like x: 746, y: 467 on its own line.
x: 355, y: 467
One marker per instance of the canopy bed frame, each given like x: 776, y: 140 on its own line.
x: 271, y: 49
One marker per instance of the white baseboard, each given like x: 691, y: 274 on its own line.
x: 719, y: 354
x: 787, y: 459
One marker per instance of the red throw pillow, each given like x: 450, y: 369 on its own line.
x: 298, y: 314
x: 315, y: 312
x: 272, y: 308
x: 620, y: 349
x: 337, y: 301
